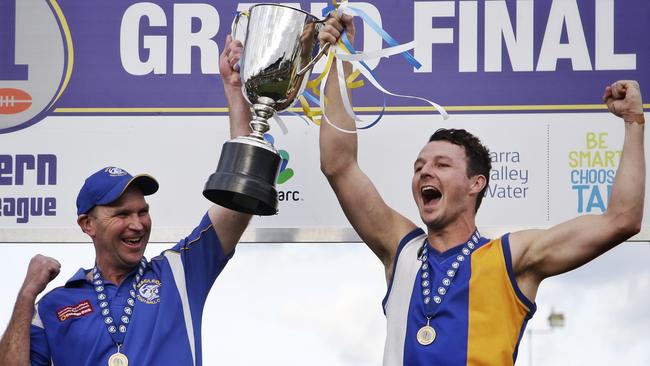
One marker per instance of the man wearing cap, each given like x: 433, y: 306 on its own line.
x: 127, y: 310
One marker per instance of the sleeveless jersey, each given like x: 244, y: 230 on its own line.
x: 481, y: 318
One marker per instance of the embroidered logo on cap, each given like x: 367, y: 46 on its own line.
x: 149, y: 291
x: 115, y: 172
x: 75, y: 311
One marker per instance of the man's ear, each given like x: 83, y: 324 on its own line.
x: 86, y: 224
x: 478, y: 183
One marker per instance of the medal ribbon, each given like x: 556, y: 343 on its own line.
x: 117, y: 330
x: 433, y: 298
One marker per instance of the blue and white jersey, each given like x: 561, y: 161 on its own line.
x: 165, y: 328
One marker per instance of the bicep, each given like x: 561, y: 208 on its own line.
x: 378, y: 225
x: 564, y: 247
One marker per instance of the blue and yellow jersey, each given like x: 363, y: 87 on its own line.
x: 480, y: 320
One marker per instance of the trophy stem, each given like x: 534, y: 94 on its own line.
x: 263, y: 111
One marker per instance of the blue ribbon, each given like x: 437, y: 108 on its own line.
x: 310, y: 97
x: 379, y: 30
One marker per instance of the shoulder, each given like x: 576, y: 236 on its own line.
x: 61, y: 294
x: 60, y: 304
x: 203, y: 231
x: 410, y: 242
x: 519, y: 244
x: 52, y: 297
x: 413, y: 238
x: 415, y: 235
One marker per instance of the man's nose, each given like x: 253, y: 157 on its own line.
x: 427, y: 170
x: 135, y: 222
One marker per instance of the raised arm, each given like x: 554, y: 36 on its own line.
x: 229, y: 224
x: 538, y: 254
x: 15, y: 343
x: 376, y: 223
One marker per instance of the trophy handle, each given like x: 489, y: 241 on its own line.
x: 313, y: 61
x: 235, y: 24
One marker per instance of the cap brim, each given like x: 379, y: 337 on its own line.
x: 148, y: 185
x: 145, y: 183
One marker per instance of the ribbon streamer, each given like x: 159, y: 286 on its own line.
x: 370, y: 75
x: 344, y: 51
x: 280, y: 123
x: 346, y: 9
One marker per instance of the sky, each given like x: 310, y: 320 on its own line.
x: 286, y: 304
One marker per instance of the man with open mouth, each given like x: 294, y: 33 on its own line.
x: 454, y: 297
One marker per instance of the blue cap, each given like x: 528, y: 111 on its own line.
x: 108, y: 184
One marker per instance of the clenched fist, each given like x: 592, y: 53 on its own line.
x: 623, y: 99
x: 334, y: 27
x: 40, y: 272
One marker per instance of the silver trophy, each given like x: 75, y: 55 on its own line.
x: 279, y: 52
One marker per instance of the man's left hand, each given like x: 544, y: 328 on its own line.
x: 228, y: 62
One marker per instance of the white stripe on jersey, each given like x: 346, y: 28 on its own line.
x: 397, y: 304
x: 36, y: 320
x: 176, y: 264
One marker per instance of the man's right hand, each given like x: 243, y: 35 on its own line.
x: 623, y: 99
x: 40, y: 272
x: 334, y: 27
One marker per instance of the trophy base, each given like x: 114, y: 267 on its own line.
x: 245, y: 178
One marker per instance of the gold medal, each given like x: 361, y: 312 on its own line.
x: 426, y: 335
x: 118, y: 359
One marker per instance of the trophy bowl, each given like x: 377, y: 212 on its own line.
x: 280, y: 49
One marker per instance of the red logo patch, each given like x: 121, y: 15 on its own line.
x: 74, y: 311
x: 14, y: 101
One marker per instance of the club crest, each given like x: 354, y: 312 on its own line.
x: 149, y: 291
x: 115, y: 172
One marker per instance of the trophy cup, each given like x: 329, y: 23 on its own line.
x: 279, y: 53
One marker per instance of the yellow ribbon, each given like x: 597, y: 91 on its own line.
x: 313, y: 85
x: 313, y: 115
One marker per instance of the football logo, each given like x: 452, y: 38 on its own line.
x: 35, y: 60
x: 14, y: 101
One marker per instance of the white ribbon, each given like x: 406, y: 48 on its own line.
x: 280, y: 122
x: 355, y: 60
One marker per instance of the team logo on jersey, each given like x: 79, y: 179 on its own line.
x: 149, y: 291
x: 74, y: 311
x: 29, y: 82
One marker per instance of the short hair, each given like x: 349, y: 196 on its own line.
x: 478, y: 155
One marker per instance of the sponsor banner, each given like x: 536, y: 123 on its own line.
x: 136, y: 57
x: 133, y: 84
x: 547, y: 168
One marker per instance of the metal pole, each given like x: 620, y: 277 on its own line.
x: 530, y: 347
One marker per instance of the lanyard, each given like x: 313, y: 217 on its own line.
x: 117, y: 327
x: 432, y: 298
